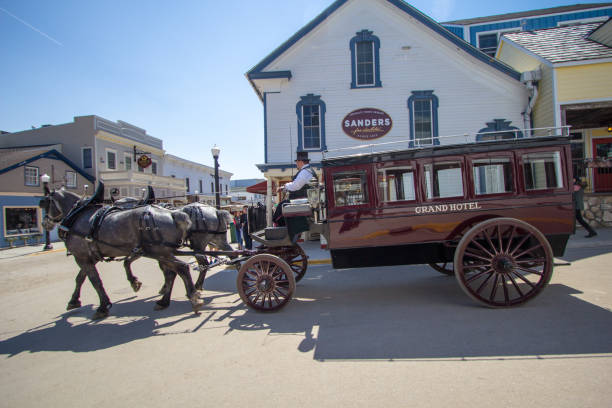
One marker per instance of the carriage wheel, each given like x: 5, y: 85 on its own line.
x: 265, y: 282
x: 294, y: 256
x: 444, y: 267
x: 503, y: 262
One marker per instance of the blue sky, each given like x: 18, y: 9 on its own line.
x: 174, y: 68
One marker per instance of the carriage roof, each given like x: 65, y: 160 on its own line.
x: 440, y: 150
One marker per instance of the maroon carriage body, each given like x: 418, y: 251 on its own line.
x: 413, y: 206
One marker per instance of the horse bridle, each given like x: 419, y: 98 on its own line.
x: 45, y: 204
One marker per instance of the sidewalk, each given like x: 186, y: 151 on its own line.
x: 316, y: 255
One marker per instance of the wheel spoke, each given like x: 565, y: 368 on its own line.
x: 516, y: 286
x: 510, y: 239
x: 479, y: 274
x: 532, y: 262
x: 488, y: 237
x: 518, y: 246
x: 475, y: 242
x: 529, y: 250
x: 505, y: 287
x: 530, y: 270
x: 473, y: 255
x: 524, y: 279
x: 494, y: 288
x: 482, y: 285
x: 476, y: 266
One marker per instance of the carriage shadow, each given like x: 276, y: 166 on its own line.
x: 384, y: 313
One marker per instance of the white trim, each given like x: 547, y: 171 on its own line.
x: 38, y: 220
x: 582, y: 21
x: 575, y: 101
x: 556, y: 105
x: 583, y: 62
x: 535, y: 16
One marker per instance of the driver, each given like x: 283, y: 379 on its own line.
x: 298, y: 187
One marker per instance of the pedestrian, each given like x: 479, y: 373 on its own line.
x: 238, y: 228
x: 244, y: 221
x: 578, y: 196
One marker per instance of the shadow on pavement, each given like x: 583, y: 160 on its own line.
x: 357, y: 314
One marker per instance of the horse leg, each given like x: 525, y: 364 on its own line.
x: 94, y: 278
x: 166, y: 290
x: 182, y: 269
x: 203, y: 268
x: 74, y: 301
x: 134, y: 282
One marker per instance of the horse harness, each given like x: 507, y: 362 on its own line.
x: 196, y: 215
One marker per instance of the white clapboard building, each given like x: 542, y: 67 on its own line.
x: 377, y: 71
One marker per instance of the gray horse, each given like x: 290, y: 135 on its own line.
x: 94, y: 234
x: 208, y: 227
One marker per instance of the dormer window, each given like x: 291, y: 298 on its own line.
x: 365, y: 60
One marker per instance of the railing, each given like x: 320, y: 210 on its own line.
x: 597, y: 174
x: 458, y: 139
x: 131, y: 176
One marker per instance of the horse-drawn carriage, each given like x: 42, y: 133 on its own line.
x: 492, y: 213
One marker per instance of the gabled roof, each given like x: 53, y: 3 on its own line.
x: 562, y: 44
x: 603, y: 34
x: 19, y: 158
x: 257, y: 72
x: 524, y: 14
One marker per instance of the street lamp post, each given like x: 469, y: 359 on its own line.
x: 45, y: 180
x: 215, y: 152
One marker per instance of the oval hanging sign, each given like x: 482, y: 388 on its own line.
x: 367, y: 123
x: 144, y: 161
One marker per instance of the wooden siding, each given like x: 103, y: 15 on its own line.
x: 544, y: 109
x: 412, y: 58
x: 584, y: 82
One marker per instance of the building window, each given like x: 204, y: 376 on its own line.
x: 310, y: 112
x: 498, y: 129
x: 31, y: 176
x: 423, y: 112
x: 71, y: 179
x: 365, y: 60
x: 487, y: 43
x: 154, y: 167
x: 128, y: 161
x: 21, y: 220
x: 187, y: 183
x: 111, y: 159
x: 87, y: 157
x: 200, y: 185
x: 212, y: 187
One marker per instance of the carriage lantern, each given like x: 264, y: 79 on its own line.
x: 215, y: 152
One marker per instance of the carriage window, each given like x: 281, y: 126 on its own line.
x: 350, y: 188
x: 443, y: 180
x: 492, y: 176
x: 396, y: 184
x: 542, y: 171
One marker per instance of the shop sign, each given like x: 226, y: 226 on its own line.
x: 144, y: 161
x: 367, y: 124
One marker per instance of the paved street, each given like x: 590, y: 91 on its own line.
x: 394, y: 337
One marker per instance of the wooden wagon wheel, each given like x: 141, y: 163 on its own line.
x: 265, y: 282
x: 444, y: 267
x: 503, y: 262
x: 294, y: 256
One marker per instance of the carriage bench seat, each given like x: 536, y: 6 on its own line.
x: 297, y: 210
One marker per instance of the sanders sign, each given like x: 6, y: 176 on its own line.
x: 367, y: 123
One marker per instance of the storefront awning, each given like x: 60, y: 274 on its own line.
x: 260, y: 188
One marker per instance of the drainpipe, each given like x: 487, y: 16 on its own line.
x: 530, y: 79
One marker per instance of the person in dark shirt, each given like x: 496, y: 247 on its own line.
x: 578, y: 196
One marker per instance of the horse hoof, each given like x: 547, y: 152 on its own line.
x: 136, y: 285
x: 73, y: 305
x: 196, y: 302
x: 160, y: 306
x: 100, y: 314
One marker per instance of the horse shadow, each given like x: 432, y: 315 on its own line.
x: 131, y: 319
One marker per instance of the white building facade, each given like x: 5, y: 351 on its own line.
x: 198, y: 179
x: 378, y: 71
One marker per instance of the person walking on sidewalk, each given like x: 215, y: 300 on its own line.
x: 578, y: 196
